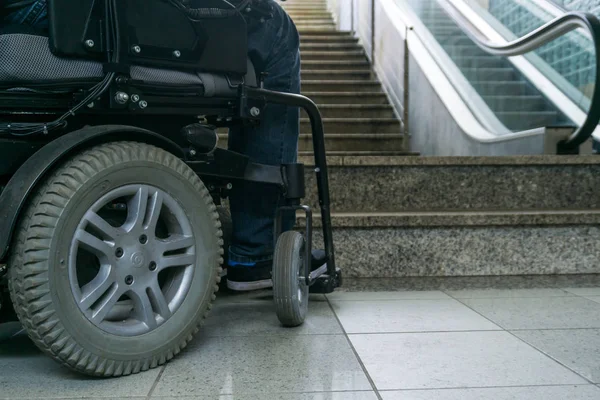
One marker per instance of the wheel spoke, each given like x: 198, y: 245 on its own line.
x: 143, y: 311
x: 175, y: 242
x: 176, y: 261
x: 154, y: 211
x: 93, y: 244
x: 107, y: 304
x: 109, y: 231
x: 93, y: 290
x: 158, y: 300
x: 138, y: 207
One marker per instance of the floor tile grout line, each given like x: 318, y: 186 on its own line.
x: 360, y: 362
x: 489, y: 387
x: 529, y: 344
x: 160, y: 374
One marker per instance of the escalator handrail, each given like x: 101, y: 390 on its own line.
x: 548, y: 32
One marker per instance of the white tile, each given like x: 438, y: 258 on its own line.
x: 591, y: 291
x: 593, y: 298
x: 539, y: 313
x: 502, y: 293
x: 582, y: 392
x: 456, y: 360
x: 259, y: 318
x: 366, y: 395
x: 400, y: 295
x: 264, y: 364
x: 578, y: 349
x: 25, y: 372
x: 408, y: 316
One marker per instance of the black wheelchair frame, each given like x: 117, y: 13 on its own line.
x: 24, y: 161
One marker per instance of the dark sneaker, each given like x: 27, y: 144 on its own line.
x: 250, y: 277
x: 258, y: 276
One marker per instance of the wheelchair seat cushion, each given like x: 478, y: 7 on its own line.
x: 26, y: 59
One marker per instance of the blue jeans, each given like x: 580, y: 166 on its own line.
x: 274, y: 49
x: 35, y: 14
x: 273, y: 46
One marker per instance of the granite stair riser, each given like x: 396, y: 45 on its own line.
x: 358, y: 125
x: 335, y: 65
x: 327, y: 39
x: 310, y: 33
x: 354, y: 111
x: 299, y: 21
x: 345, y: 142
x: 365, y: 252
x: 307, y: 26
x: 329, y: 47
x: 388, y: 188
x: 345, y: 56
x: 347, y: 98
x: 329, y: 75
x: 341, y: 86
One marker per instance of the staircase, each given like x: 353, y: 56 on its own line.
x: 336, y: 75
x: 497, y: 81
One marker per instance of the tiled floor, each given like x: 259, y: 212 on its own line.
x: 511, y: 339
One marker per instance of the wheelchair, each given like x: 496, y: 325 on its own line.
x: 112, y: 181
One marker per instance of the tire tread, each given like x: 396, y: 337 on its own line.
x: 28, y: 272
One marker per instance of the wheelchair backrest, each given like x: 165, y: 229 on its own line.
x: 152, y: 32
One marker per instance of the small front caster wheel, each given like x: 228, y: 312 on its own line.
x: 290, y: 291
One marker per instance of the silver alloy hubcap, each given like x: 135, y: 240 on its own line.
x: 132, y: 260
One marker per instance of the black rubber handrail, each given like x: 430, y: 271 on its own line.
x: 548, y: 32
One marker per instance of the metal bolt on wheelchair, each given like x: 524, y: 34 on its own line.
x: 112, y: 180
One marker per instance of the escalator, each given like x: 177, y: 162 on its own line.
x: 523, y: 68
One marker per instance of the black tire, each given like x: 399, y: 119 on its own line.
x: 227, y: 228
x: 39, y: 285
x: 290, y: 292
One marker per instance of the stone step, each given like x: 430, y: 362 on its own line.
x: 324, y: 32
x: 328, y: 39
x: 344, y: 143
x: 316, y: 14
x: 336, y: 75
x: 354, y: 111
x: 347, y: 144
x: 388, y: 245
x: 311, y: 27
x: 329, y: 47
x: 358, y: 153
x: 336, y: 65
x: 348, y: 56
x: 312, y: 21
x: 410, y: 184
x: 341, y: 86
x: 347, y: 97
x: 355, y: 125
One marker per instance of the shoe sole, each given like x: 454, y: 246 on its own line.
x: 249, y: 286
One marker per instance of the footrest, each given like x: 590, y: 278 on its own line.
x: 327, y: 284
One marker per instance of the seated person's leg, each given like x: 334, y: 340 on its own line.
x: 29, y: 13
x: 274, y: 48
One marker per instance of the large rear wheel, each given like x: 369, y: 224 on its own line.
x: 117, y: 260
